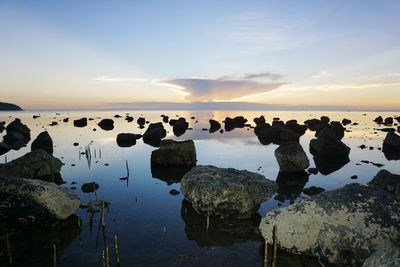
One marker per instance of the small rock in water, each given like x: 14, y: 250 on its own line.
x: 174, y: 192
x: 354, y: 177
x: 89, y: 187
x: 313, y: 190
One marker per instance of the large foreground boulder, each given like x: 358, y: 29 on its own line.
x: 291, y: 157
x: 227, y: 193
x: 37, y: 164
x: 174, y: 153
x: 43, y: 141
x: 27, y: 201
x: 342, y: 227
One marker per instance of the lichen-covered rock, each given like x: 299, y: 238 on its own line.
x: 387, y: 181
x: 43, y: 141
x: 384, y: 258
x: 175, y: 153
x: 291, y: 157
x: 342, y: 227
x: 224, y: 192
x: 27, y: 201
x: 34, y: 165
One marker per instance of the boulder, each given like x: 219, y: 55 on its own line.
x: 214, y: 126
x: 391, y: 146
x: 43, y: 141
x: 106, y: 124
x: 141, y: 121
x: 4, y: 148
x: 328, y: 165
x: 346, y: 121
x: 388, y: 182
x: 154, y: 133
x: 37, y: 164
x: 295, y: 127
x: 179, y: 126
x: 312, y: 124
x: 236, y: 122
x: 127, y: 139
x: 388, y: 121
x: 260, y: 120
x: 387, y: 257
x: 378, y: 120
x: 342, y: 227
x: 80, y: 122
x: 27, y: 201
x: 328, y: 145
x: 129, y: 118
x: 174, y: 153
x: 227, y: 193
x: 291, y: 157
x: 18, y: 126
x: 2, y: 126
x: 89, y: 187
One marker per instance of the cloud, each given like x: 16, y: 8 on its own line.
x: 252, y: 76
x: 215, y: 89
x: 109, y: 79
x: 320, y: 74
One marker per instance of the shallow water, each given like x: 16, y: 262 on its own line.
x: 155, y: 228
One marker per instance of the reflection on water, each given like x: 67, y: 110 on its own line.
x: 35, y: 247
x: 155, y: 228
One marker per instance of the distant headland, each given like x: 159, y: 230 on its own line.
x: 9, y: 106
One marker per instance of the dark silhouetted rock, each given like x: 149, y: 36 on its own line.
x: 127, y: 139
x: 312, y: 124
x: 4, y: 148
x: 325, y: 119
x: 80, y: 122
x: 295, y: 127
x: 378, y: 120
x: 341, y: 227
x: 291, y: 157
x: 165, y: 119
x: 129, y: 118
x: 174, y: 192
x: 179, y: 126
x: 43, y: 141
x: 236, y: 122
x: 2, y: 126
x: 66, y: 120
x: 89, y: 187
x: 346, y: 121
x: 106, y: 124
x: 214, y: 126
x: 141, y: 121
x: 174, y: 153
x: 154, y: 133
x: 328, y: 165
x: 387, y: 181
x: 227, y: 193
x: 260, y: 120
x: 391, y: 146
x: 388, y: 121
x: 18, y: 134
x: 328, y: 145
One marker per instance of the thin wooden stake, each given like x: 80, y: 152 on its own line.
x: 266, y: 254
x: 208, y: 222
x: 103, y: 223
x: 116, y: 249
x: 9, y: 249
x: 127, y: 168
x: 54, y: 255
x: 275, y: 255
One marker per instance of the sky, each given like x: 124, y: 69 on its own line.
x: 94, y: 53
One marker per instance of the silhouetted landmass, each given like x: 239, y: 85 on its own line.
x: 9, y: 106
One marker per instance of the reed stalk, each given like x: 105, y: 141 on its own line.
x: 116, y: 250
x: 275, y: 255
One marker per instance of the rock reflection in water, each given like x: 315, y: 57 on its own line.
x: 169, y: 174
x: 327, y: 166
x: 35, y: 247
x: 290, y: 185
x: 221, y: 232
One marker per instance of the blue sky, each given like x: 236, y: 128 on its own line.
x: 87, y: 53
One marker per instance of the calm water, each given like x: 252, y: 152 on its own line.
x: 155, y: 228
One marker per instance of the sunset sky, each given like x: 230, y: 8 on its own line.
x: 91, y: 54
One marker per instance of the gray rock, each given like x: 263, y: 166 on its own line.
x: 291, y: 157
x: 388, y: 182
x: 175, y: 153
x: 26, y: 201
x: 328, y: 145
x: 384, y: 258
x: 226, y: 193
x: 342, y: 227
x: 43, y: 141
x: 37, y: 164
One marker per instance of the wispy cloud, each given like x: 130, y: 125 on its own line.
x: 109, y: 79
x: 252, y: 76
x: 214, y: 90
x: 320, y: 74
